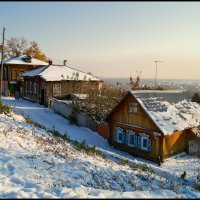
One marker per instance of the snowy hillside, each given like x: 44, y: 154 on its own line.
x: 34, y: 164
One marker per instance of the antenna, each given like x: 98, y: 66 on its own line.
x: 156, y: 61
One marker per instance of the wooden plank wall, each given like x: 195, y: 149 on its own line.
x: 155, y: 148
x: 138, y: 119
x: 174, y: 144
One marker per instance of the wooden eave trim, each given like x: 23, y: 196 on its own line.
x: 133, y: 126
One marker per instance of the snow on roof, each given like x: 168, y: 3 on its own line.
x: 34, y: 72
x: 81, y: 96
x: 60, y: 72
x: 19, y: 61
x: 170, y: 110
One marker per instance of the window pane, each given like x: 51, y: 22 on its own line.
x: 144, y: 142
x: 131, y: 139
x: 120, y: 136
x: 56, y: 89
x: 133, y: 107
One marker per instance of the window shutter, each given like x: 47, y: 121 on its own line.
x: 149, y: 145
x: 126, y: 137
x: 115, y: 135
x: 138, y: 141
x: 123, y: 137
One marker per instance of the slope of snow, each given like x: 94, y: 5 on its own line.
x: 54, y: 169
x: 36, y: 165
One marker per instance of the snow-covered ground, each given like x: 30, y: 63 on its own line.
x: 34, y: 164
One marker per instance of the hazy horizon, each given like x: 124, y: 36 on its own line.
x: 112, y: 39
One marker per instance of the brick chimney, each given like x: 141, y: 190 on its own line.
x: 64, y: 62
x: 50, y: 62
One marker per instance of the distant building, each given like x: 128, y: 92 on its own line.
x: 155, y: 124
x: 12, y: 72
x: 42, y: 84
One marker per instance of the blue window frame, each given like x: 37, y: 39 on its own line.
x: 131, y: 139
x: 119, y: 135
x: 145, y: 142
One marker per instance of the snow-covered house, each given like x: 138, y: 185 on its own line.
x: 49, y: 81
x: 12, y: 70
x: 154, y: 124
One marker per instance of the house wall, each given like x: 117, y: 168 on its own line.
x: 138, y: 122
x: 140, y: 119
x: 12, y: 72
x: 174, y: 143
x: 34, y: 97
x: 155, y: 142
x: 48, y: 89
x: 80, y: 87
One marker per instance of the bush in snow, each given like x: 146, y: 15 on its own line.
x: 88, y: 150
x: 4, y: 108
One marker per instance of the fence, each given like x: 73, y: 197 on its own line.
x: 194, y: 148
x: 65, y: 109
x: 61, y: 107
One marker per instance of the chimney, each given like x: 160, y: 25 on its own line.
x: 65, y: 61
x: 50, y: 62
x: 27, y: 59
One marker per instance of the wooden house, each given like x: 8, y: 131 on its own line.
x: 12, y: 72
x: 42, y: 84
x: 154, y: 124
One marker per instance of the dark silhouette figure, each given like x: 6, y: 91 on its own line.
x: 183, y: 175
x: 159, y: 160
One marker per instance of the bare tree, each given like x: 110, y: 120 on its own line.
x: 135, y: 84
x: 16, y: 46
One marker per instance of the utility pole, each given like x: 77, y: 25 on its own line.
x: 156, y: 61
x: 2, y: 54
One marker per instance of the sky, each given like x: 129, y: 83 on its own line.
x: 112, y: 39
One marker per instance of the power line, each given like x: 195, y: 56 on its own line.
x: 2, y: 54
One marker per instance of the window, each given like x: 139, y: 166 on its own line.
x: 30, y: 87
x: 119, y: 135
x: 132, y: 140
x: 145, y: 142
x: 26, y: 86
x: 34, y: 87
x: 56, y: 89
x: 133, y: 108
